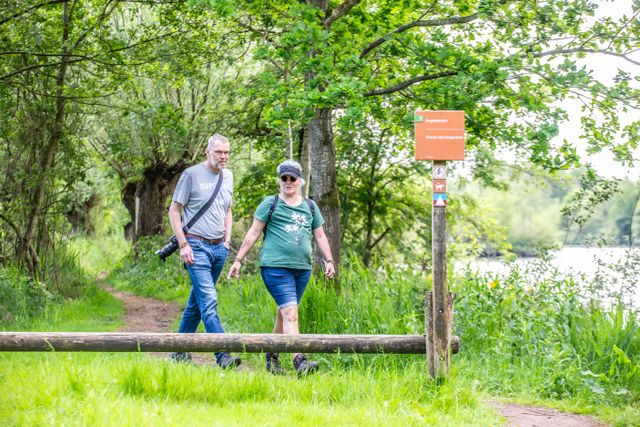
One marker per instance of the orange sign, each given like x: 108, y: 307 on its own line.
x: 439, y: 135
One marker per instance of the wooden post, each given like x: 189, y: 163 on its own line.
x: 440, y: 358
x: 428, y: 324
x: 439, y: 137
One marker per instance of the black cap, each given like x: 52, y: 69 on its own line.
x: 290, y: 170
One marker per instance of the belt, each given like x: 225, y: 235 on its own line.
x: 204, y: 239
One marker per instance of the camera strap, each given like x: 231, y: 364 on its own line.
x: 204, y: 208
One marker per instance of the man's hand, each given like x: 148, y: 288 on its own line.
x: 186, y: 254
x: 234, y: 271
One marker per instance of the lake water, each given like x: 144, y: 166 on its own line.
x: 615, y: 269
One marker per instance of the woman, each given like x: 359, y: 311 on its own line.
x: 285, y: 258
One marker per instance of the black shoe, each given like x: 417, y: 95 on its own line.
x: 304, y: 366
x: 181, y: 357
x: 227, y: 361
x: 273, y: 364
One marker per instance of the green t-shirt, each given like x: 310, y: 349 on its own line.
x: 287, y: 242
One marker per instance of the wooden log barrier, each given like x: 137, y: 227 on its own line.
x: 252, y: 343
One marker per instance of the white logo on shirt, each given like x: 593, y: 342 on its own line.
x: 297, y: 223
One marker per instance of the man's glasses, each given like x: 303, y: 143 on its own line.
x: 286, y: 178
x: 220, y: 152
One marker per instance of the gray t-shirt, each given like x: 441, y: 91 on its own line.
x: 194, y: 188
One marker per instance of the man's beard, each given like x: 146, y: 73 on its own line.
x: 215, y: 164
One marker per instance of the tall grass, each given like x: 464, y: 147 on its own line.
x: 25, y: 296
x: 548, y: 326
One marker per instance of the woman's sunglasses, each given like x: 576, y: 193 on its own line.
x: 285, y: 178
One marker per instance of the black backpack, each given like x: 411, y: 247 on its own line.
x: 312, y: 208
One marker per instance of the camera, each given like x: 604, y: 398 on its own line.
x: 168, y: 249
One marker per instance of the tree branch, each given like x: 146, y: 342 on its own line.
x: 380, y: 238
x: 340, y: 11
x: 407, y: 83
x: 11, y: 224
x: 420, y: 23
x: 584, y: 50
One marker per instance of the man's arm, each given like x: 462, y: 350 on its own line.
x: 228, y: 223
x: 175, y: 218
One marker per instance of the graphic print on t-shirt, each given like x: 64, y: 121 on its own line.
x: 298, y: 221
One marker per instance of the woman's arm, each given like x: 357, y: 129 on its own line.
x: 249, y: 240
x: 323, y: 246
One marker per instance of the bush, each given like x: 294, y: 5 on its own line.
x: 21, y: 296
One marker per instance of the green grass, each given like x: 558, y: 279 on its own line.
x: 126, y: 389
x: 98, y: 310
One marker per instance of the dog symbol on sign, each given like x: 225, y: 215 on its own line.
x: 439, y: 186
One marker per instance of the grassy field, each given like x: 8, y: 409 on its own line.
x: 545, y: 346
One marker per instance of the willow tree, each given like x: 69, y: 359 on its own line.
x: 509, y: 65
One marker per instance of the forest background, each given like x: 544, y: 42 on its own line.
x: 103, y: 103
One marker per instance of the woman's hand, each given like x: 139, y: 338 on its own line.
x: 235, y: 269
x: 329, y: 269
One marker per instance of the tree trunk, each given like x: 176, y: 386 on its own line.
x: 128, y: 196
x: 26, y: 253
x: 323, y: 176
x: 146, y: 200
x: 305, y: 160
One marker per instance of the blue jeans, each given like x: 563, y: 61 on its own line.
x: 286, y: 285
x: 208, y: 260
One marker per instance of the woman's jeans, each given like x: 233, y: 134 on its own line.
x: 208, y: 261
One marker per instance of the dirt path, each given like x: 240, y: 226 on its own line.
x: 143, y: 314
x: 536, y: 416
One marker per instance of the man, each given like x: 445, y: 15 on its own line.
x: 204, y: 248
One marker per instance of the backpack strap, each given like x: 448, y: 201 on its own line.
x: 273, y: 207
x: 312, y: 208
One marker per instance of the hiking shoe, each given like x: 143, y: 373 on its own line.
x: 304, y: 366
x: 273, y: 364
x: 227, y: 361
x: 181, y: 357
